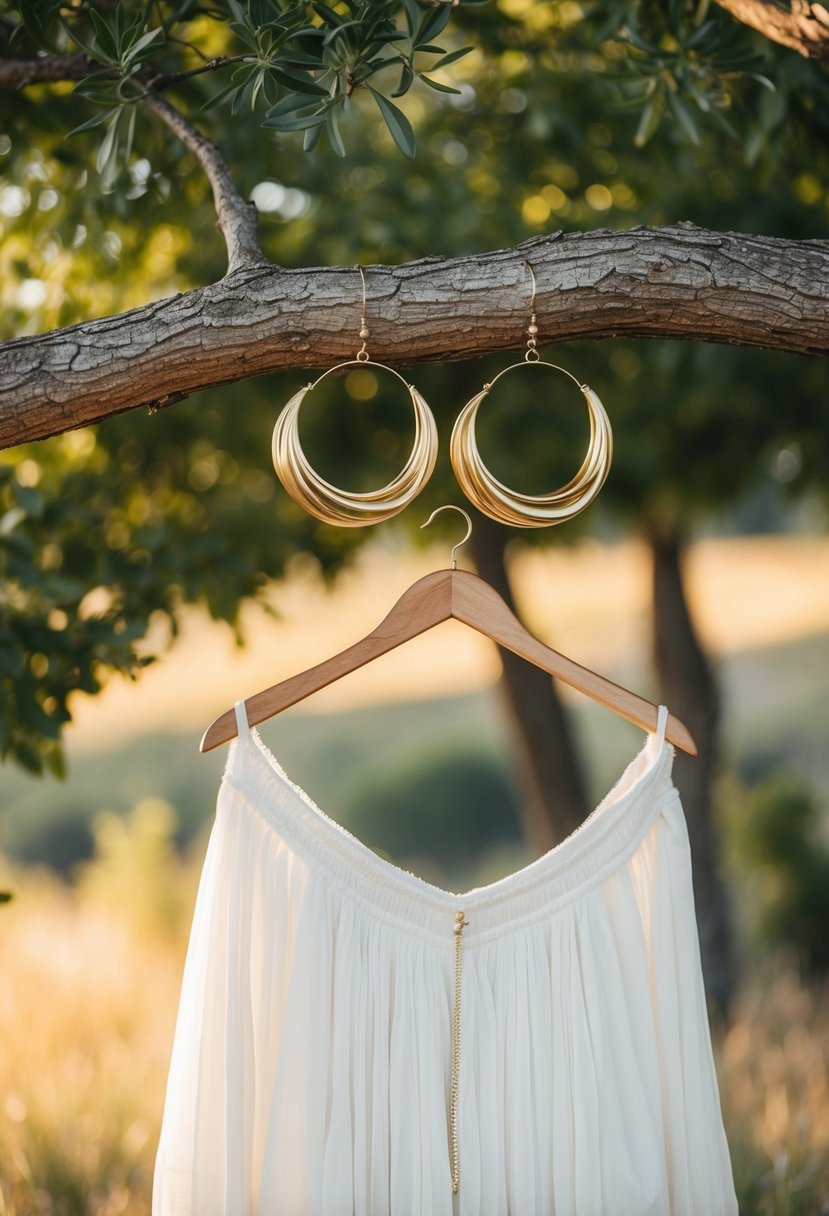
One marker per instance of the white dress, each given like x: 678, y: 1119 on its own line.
x: 314, y: 1049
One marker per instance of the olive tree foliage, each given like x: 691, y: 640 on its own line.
x: 541, y: 125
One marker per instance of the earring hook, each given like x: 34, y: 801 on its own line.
x: 453, y: 561
x: 532, y: 276
x: 531, y: 355
x: 365, y: 332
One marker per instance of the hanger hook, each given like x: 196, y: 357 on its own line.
x: 362, y: 353
x: 453, y: 561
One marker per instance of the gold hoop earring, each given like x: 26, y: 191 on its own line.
x: 507, y: 506
x: 323, y: 500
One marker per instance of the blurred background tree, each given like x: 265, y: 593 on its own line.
x: 561, y: 116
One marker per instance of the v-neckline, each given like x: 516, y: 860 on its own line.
x: 603, y: 839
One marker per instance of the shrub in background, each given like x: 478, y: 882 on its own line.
x: 781, y: 859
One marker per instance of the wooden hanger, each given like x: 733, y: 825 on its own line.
x: 448, y: 595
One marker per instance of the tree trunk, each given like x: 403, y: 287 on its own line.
x: 688, y: 686
x: 553, y: 792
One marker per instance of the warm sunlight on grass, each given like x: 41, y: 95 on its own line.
x: 774, y: 1068
x: 85, y: 1016
x: 87, y: 1005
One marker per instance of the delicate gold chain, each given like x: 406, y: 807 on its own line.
x: 460, y: 924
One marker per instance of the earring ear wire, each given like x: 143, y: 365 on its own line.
x: 532, y: 355
x: 365, y: 332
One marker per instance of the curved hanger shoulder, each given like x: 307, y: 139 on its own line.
x: 438, y: 597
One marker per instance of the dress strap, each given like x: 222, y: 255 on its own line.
x: 661, y: 723
x: 242, y: 724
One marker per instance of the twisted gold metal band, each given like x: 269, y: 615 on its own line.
x: 508, y: 506
x: 352, y: 510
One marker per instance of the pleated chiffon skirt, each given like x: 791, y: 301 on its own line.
x: 313, y: 1057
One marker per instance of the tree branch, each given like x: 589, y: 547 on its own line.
x: 804, y: 27
x: 164, y: 79
x: 235, y: 216
x: 50, y: 69
x: 46, y: 69
x: 680, y: 282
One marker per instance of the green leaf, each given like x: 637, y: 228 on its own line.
x: 721, y: 121
x: 298, y: 122
x: 398, y: 124
x: 706, y: 34
x: 12, y: 658
x: 433, y: 24
x: 259, y: 12
x: 130, y: 133
x: 433, y: 84
x: 763, y: 80
x: 56, y: 762
x: 333, y: 132
x: 650, y: 120
x: 104, y: 36
x: 97, y: 120
x: 142, y: 43
x: 224, y: 95
x: 27, y: 756
x: 244, y: 35
x: 289, y: 104
x: 31, y: 500
x: 88, y: 48
x: 34, y: 29
x: 5, y: 897
x: 406, y: 80
x: 10, y: 520
x: 31, y: 714
x: 684, y: 117
x: 340, y: 29
x: 259, y: 80
x: 631, y: 103
x: 452, y: 57
x: 109, y: 145
x: 297, y: 82
x: 244, y: 94
x: 328, y: 14
x: 635, y: 39
x: 412, y: 13
x: 296, y: 59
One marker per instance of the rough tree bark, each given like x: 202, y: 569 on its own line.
x: 679, y: 282
x: 804, y: 27
x: 554, y: 800
x: 687, y: 683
